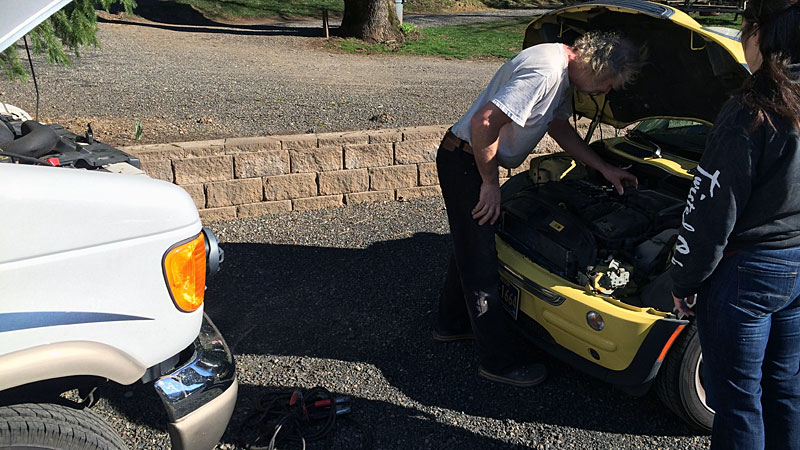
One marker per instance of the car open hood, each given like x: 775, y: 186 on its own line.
x: 690, y: 72
x: 18, y: 17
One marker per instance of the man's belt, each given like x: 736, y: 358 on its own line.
x: 451, y: 143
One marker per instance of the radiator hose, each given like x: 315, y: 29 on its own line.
x: 37, y: 140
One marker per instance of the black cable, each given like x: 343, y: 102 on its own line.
x: 33, y: 74
x: 297, y: 417
x: 599, y: 113
x: 574, y: 113
x: 605, y: 100
x: 23, y: 158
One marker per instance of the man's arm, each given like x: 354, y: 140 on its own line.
x: 486, y: 124
x: 568, y: 139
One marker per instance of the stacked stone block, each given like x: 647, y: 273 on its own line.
x: 246, y: 177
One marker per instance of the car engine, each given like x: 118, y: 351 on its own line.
x: 590, y: 235
x: 25, y: 141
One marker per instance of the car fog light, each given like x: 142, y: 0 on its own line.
x: 595, y: 320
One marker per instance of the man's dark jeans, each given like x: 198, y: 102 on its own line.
x: 470, y: 296
x: 748, y: 318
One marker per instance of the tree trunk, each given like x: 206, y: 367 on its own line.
x: 370, y: 20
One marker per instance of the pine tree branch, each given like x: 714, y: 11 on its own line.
x: 72, y: 29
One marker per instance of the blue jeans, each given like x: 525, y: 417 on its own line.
x: 748, y: 318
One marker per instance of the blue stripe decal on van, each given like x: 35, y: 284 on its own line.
x: 28, y: 320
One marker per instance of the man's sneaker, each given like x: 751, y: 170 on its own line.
x: 450, y: 336
x: 519, y: 376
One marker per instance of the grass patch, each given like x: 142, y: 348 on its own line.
x: 500, y: 40
x: 409, y: 29
x: 723, y: 20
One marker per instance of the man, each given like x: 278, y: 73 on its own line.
x: 531, y: 94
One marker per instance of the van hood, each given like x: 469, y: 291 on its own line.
x: 690, y: 71
x: 21, y: 16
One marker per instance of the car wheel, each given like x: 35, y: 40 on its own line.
x: 680, y: 381
x: 31, y: 426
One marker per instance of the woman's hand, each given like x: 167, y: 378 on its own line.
x: 684, y: 305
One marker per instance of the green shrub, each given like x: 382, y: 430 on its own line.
x: 409, y: 29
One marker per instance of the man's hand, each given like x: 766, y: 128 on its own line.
x: 488, y: 207
x: 568, y: 139
x: 684, y: 305
x: 619, y: 177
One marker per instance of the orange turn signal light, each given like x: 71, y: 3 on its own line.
x: 185, y: 273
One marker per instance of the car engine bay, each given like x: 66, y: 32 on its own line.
x: 585, y: 232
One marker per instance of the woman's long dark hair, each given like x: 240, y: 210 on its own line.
x: 771, y: 91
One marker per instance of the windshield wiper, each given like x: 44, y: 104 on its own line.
x: 636, y: 135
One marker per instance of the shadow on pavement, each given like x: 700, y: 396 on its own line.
x: 375, y: 306
x: 410, y: 427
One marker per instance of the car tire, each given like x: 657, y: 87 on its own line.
x: 49, y: 426
x: 680, y: 381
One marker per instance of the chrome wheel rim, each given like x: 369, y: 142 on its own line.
x: 698, y: 383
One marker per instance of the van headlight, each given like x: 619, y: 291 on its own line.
x: 184, y: 266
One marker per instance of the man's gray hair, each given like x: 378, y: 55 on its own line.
x: 610, y: 55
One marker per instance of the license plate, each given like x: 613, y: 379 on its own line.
x: 509, y: 294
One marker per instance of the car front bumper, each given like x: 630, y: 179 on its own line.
x: 199, y: 396
x: 552, y: 313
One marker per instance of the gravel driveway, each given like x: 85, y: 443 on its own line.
x: 339, y: 298
x: 343, y: 299
x: 186, y: 78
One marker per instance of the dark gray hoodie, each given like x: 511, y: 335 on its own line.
x: 745, y: 194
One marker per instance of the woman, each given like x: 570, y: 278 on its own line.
x: 739, y: 248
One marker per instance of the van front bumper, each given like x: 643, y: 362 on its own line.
x: 199, y: 396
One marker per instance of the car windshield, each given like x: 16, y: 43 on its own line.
x: 680, y: 137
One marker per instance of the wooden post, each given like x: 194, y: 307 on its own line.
x: 325, y: 23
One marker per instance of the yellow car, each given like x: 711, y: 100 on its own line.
x: 584, y: 269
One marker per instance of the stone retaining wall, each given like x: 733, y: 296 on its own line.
x: 246, y: 177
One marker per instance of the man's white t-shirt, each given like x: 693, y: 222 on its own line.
x: 532, y: 89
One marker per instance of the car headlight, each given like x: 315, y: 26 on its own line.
x: 595, y: 320
x: 184, y: 267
